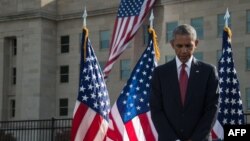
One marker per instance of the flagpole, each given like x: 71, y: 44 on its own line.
x: 228, y: 87
x: 226, y: 27
x: 84, y: 16
x: 151, y: 19
x: 154, y: 36
x: 93, y: 105
x: 226, y: 17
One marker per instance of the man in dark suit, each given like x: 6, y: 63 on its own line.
x: 184, y: 98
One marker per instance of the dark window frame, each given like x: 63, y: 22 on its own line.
x: 64, y: 74
x: 218, y: 55
x: 248, y: 58
x: 126, y: 70
x: 169, y: 33
x: 14, y: 76
x: 199, y: 29
x: 65, y: 42
x: 12, y: 108
x: 63, y: 106
x: 248, y: 99
x: 248, y: 21
x: 104, y: 43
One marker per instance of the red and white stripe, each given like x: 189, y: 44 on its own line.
x: 87, y: 125
x: 139, y: 128
x: 217, y: 131
x: 124, y: 30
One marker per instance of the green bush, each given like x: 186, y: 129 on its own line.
x: 6, y: 137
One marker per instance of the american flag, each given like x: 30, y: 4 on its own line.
x: 230, y: 103
x: 90, y: 119
x: 130, y: 118
x: 131, y: 14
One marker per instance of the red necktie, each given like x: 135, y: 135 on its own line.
x: 183, y: 82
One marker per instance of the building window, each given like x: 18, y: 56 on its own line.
x: 65, y: 44
x: 12, y: 108
x: 64, y: 74
x: 169, y: 58
x: 104, y: 39
x: 198, y: 55
x: 248, y: 21
x: 145, y: 34
x: 221, y: 24
x: 102, y: 64
x: 218, y: 53
x: 14, y: 46
x: 170, y: 26
x: 248, y: 58
x: 248, y: 98
x: 125, y: 69
x: 14, y: 76
x: 197, y: 23
x: 63, y: 107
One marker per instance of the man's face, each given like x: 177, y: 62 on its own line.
x: 184, y: 47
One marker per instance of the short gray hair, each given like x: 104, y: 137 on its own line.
x: 185, y: 29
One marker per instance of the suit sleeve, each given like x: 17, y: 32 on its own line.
x: 165, y: 132
x: 211, y: 106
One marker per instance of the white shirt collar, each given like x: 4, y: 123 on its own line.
x: 188, y: 63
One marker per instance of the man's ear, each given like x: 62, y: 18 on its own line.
x: 196, y: 42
